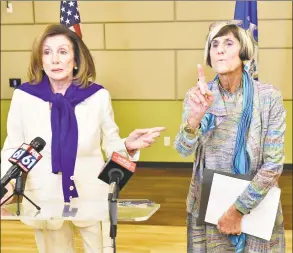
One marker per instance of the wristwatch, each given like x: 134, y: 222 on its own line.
x: 189, y: 129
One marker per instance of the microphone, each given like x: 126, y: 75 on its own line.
x: 116, y: 172
x: 23, y: 159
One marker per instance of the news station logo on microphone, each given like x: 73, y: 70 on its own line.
x: 122, y: 161
x: 26, y: 157
x: 119, y: 165
x: 23, y: 159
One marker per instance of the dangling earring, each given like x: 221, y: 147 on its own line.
x: 75, y: 67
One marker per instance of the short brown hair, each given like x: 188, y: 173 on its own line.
x: 246, y: 43
x: 82, y: 56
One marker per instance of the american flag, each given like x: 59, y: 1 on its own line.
x: 69, y: 16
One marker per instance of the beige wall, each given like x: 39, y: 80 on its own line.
x: 147, y: 50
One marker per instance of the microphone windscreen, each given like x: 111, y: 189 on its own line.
x: 119, y: 162
x: 38, y: 144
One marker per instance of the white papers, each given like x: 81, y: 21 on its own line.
x: 259, y: 222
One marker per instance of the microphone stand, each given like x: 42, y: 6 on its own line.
x: 18, y: 191
x: 112, y: 201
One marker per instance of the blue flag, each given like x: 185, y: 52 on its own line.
x: 246, y: 11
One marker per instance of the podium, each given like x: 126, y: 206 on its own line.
x: 128, y: 210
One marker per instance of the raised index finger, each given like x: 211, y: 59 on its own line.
x: 201, y: 76
x: 201, y: 79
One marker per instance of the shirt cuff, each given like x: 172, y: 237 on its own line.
x: 241, y: 207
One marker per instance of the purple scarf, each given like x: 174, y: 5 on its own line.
x: 64, y: 127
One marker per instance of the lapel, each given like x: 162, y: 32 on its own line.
x: 253, y: 145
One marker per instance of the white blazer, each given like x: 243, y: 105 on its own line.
x: 30, y: 117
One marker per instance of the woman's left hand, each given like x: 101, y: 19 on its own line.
x: 230, y: 222
x: 142, y: 138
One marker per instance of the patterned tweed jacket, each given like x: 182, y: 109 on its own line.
x: 265, y: 146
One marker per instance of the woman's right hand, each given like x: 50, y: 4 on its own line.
x: 200, y: 98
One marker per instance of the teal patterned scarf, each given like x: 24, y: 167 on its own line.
x: 240, y: 157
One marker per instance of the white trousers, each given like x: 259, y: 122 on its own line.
x: 95, y: 239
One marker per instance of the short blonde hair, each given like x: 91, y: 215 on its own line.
x: 82, y: 56
x: 223, y: 28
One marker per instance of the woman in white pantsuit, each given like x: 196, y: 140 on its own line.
x: 75, y: 117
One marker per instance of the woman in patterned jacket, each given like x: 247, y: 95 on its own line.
x: 232, y: 124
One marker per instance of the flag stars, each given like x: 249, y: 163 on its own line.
x: 69, y: 14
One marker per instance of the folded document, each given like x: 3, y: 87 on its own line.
x: 224, y: 191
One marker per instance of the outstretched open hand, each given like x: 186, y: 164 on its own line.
x: 142, y: 138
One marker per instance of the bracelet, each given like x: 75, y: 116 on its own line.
x: 239, y: 211
x: 189, y: 129
x: 130, y: 152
